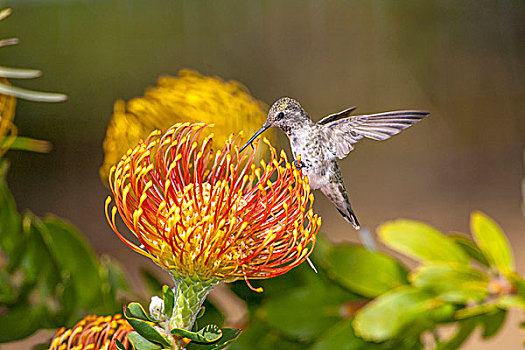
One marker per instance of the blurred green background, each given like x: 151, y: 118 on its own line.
x: 462, y: 61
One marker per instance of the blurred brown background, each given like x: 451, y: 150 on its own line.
x: 463, y: 61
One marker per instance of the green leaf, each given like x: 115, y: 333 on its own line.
x: 492, y: 242
x: 342, y: 337
x: 475, y: 311
x: 228, y: 336
x: 492, y: 323
x: 74, y: 257
x: 465, y: 329
x: 364, y: 272
x: 169, y: 300
x: 144, y: 329
x: 386, y: 316
x: 136, y: 310
x: 508, y: 301
x: 141, y: 343
x: 421, y: 241
x: 306, y: 312
x: 452, y: 282
x: 10, y: 220
x: 21, y: 321
x: 208, y: 334
x: 470, y: 248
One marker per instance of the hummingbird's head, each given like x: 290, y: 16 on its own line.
x: 286, y: 114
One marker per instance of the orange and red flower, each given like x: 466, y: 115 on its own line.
x: 212, y: 215
x: 93, y: 332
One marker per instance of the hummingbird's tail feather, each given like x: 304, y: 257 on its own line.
x: 350, y: 217
x: 335, y: 191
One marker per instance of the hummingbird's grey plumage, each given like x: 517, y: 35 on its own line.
x: 320, y: 144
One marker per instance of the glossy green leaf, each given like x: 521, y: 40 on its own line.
x: 492, y: 242
x: 470, y: 248
x: 137, y: 311
x: 169, y: 300
x: 421, y: 241
x: 208, y: 334
x: 144, y: 329
x: 306, y: 312
x: 452, y: 282
x: 465, y: 329
x: 364, y: 272
x: 492, y: 323
x: 141, y: 343
x: 386, y: 316
x: 341, y: 337
x: 228, y: 336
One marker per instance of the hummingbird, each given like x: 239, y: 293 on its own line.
x: 316, y: 146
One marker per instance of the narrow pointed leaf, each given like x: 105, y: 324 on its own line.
x: 492, y: 242
x: 169, y: 300
x: 421, y: 242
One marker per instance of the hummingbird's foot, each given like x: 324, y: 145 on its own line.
x: 298, y: 164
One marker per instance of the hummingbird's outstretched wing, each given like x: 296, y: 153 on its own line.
x: 336, y: 116
x: 348, y: 131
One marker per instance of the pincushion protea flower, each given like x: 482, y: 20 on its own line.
x: 210, y: 217
x: 189, y: 96
x: 93, y: 332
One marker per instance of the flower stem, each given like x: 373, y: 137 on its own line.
x: 190, y: 293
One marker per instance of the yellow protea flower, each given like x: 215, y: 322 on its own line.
x: 93, y: 332
x: 188, y: 97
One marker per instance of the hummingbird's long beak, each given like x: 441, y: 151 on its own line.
x: 260, y: 131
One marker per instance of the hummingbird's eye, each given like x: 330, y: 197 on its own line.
x: 280, y: 115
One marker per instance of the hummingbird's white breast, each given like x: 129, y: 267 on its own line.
x: 315, y: 152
